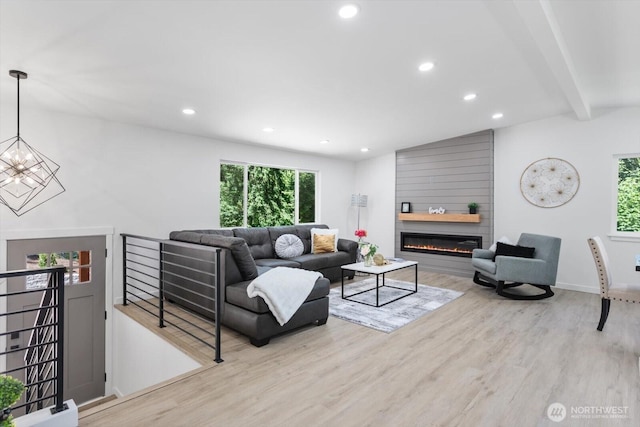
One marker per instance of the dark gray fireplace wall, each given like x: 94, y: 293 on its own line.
x: 449, y: 174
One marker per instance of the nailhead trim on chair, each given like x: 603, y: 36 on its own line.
x: 603, y: 276
x: 601, y: 272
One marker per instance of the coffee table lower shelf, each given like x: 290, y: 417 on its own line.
x: 379, y: 271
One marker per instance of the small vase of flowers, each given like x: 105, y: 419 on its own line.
x: 368, y: 250
x: 360, y: 233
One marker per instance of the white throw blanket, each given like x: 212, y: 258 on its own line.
x: 284, y: 289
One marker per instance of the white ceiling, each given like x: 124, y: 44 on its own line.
x: 299, y: 68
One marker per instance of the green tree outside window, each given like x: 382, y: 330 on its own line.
x: 628, y: 209
x: 271, y: 196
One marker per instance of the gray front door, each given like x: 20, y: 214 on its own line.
x: 84, y: 336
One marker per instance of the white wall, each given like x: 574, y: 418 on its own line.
x: 589, y: 146
x: 142, y: 359
x: 377, y: 179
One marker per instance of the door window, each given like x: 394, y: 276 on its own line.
x: 77, y: 267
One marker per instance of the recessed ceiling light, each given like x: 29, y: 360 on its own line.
x: 324, y: 141
x: 364, y: 149
x: 268, y: 129
x: 470, y: 97
x: 348, y: 11
x: 188, y: 111
x: 497, y: 116
x: 426, y: 66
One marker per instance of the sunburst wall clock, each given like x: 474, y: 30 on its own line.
x: 549, y: 183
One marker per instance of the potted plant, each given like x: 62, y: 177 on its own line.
x: 473, y: 207
x: 10, y: 391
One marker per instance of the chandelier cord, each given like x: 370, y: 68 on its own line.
x: 18, y: 107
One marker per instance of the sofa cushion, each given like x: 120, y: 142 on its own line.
x: 304, y: 233
x: 186, y: 236
x: 332, y: 231
x: 239, y: 250
x: 318, y: 262
x: 276, y: 232
x: 237, y: 295
x: 289, y: 246
x: 221, y: 232
x: 258, y: 240
x: 277, y: 262
x: 324, y: 243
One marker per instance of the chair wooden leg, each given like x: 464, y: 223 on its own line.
x: 604, y: 312
x: 478, y: 279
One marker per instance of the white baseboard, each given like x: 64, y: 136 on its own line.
x: 579, y: 288
x: 117, y: 392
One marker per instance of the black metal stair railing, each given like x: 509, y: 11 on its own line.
x: 43, y: 367
x: 40, y: 354
x: 150, y: 272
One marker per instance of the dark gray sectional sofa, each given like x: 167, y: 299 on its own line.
x: 249, y: 252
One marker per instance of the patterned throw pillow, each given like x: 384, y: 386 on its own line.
x: 289, y: 246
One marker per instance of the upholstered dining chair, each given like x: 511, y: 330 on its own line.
x: 533, y: 261
x: 608, y: 289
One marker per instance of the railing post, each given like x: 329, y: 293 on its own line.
x: 60, y: 405
x: 124, y: 270
x: 218, y: 315
x: 161, y: 285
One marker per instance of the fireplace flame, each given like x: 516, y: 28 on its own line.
x: 438, y: 248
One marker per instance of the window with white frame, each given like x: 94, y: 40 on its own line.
x: 628, y: 193
x: 261, y: 196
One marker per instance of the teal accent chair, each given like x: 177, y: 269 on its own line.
x: 507, y: 272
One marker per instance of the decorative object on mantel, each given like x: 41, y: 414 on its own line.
x: 405, y: 207
x: 549, y: 183
x: 438, y: 211
x: 368, y: 250
x: 424, y: 216
x: 473, y: 207
x: 27, y: 177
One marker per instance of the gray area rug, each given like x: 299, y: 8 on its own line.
x: 391, y: 316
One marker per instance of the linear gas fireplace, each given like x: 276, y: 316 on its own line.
x: 441, y: 244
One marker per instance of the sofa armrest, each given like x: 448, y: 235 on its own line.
x: 483, y: 253
x: 350, y: 246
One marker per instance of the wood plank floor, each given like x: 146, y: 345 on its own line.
x: 479, y: 361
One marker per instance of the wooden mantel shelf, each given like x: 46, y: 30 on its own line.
x: 418, y: 216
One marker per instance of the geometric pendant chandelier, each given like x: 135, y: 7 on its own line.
x: 27, y: 177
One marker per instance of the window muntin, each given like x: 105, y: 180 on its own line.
x: 77, y: 267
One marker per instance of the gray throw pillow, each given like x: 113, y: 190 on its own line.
x: 289, y: 246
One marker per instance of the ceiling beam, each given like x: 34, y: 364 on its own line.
x: 539, y: 18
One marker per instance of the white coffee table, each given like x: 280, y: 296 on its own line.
x: 379, y: 271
